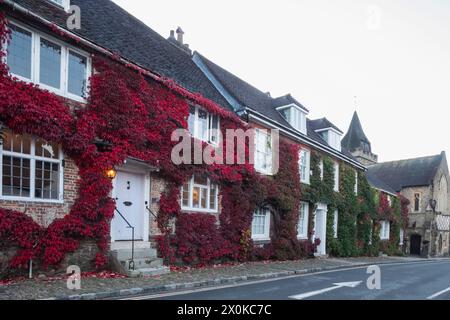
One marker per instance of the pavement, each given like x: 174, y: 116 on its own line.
x: 424, y: 280
x: 207, y: 278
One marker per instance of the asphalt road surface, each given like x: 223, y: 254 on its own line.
x: 405, y: 281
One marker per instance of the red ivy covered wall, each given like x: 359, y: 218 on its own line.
x: 136, y: 115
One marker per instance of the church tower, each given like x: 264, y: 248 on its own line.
x: 356, y: 142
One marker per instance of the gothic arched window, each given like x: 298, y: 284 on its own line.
x: 442, y: 194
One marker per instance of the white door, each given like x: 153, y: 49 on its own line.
x: 129, y: 192
x: 320, y: 230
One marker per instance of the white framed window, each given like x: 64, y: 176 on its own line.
x: 199, y: 194
x: 321, y: 169
x: 263, y: 151
x: 261, y: 224
x: 336, y: 176
x: 302, y: 227
x: 402, y: 236
x: 295, y: 116
x: 389, y: 199
x: 332, y: 137
x: 335, y: 223
x: 304, y: 165
x: 65, y: 4
x: 31, y: 169
x: 47, y: 62
x: 203, y: 125
x: 356, y: 182
x: 385, y: 230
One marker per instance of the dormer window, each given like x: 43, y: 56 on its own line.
x: 295, y: 116
x: 332, y: 137
x: 65, y: 4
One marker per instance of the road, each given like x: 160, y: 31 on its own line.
x: 403, y: 281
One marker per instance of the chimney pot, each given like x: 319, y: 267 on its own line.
x: 180, y: 34
x: 172, y: 34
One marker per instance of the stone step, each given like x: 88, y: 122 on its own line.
x: 125, y: 254
x: 154, y: 271
x: 148, y: 272
x: 141, y: 263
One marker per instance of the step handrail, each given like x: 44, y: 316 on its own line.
x: 131, y: 264
x: 151, y: 212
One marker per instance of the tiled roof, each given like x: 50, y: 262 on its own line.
x: 109, y: 26
x: 323, y: 123
x: 251, y: 97
x: 406, y: 173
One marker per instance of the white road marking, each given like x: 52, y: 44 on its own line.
x: 437, y: 294
x: 319, y: 292
x: 176, y: 293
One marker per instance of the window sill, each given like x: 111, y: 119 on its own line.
x: 261, y: 238
x: 265, y: 173
x: 50, y: 89
x: 199, y: 210
x: 302, y: 238
x: 19, y: 199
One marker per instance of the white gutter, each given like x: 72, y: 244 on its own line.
x: 304, y: 139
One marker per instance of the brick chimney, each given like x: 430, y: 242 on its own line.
x: 180, y: 34
x: 179, y: 41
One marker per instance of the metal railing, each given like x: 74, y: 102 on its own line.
x: 151, y: 212
x: 131, y: 264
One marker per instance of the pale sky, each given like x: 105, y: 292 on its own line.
x: 394, y: 55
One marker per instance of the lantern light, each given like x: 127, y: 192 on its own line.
x: 111, y: 173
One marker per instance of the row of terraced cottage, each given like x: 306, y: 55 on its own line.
x: 38, y: 179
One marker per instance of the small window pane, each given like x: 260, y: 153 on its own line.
x: 191, y: 120
x: 19, y: 52
x: 47, y: 180
x: 77, y: 74
x: 50, y: 64
x: 16, y: 176
x: 214, y: 129
x: 196, y: 197
x: 47, y: 150
x: 201, y: 179
x: 212, y: 197
x: 186, y: 194
x: 202, y: 125
x: 204, y: 193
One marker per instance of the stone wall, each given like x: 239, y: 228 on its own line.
x: 83, y: 258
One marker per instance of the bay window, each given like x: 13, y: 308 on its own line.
x: 199, y: 194
x: 52, y: 65
x: 302, y: 227
x: 31, y: 169
x: 263, y: 151
x: 203, y: 125
x: 261, y: 224
x: 304, y: 166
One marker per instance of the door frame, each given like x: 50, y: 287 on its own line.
x: 323, y: 242
x: 144, y: 171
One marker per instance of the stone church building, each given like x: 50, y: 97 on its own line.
x: 423, y: 181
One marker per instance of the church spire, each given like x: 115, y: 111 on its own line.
x: 356, y: 142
